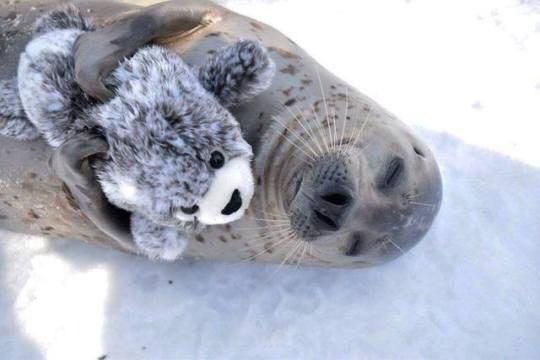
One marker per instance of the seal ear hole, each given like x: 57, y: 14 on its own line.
x: 419, y: 152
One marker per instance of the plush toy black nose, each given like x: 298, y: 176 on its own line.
x: 234, y: 204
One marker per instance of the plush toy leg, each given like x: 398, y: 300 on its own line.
x: 51, y: 98
x: 13, y: 120
x: 155, y: 241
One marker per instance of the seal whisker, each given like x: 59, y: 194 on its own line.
x: 281, y: 215
x: 263, y: 241
x: 301, y: 254
x: 286, y: 127
x: 413, y: 196
x: 359, y: 132
x: 395, y: 245
x: 315, y: 250
x: 292, y: 251
x: 273, y: 235
x: 308, y: 163
x: 333, y: 126
x: 324, y: 101
x: 302, y: 125
x: 266, y: 246
x: 344, y: 117
x: 335, y: 117
x: 273, y: 218
x: 266, y: 250
x: 267, y: 219
x: 420, y: 204
x: 292, y: 142
x: 268, y: 227
x: 296, y: 134
x: 311, y: 133
x: 285, y: 244
x: 354, y: 130
x: 320, y: 127
x: 271, y: 215
x: 296, y: 146
x: 351, y: 128
x: 257, y: 232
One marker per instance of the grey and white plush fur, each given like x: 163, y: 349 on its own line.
x: 176, y: 159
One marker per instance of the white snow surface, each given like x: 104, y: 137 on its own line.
x: 466, y: 75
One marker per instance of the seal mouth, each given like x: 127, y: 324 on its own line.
x: 354, y: 245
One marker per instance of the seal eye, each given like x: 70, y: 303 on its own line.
x: 393, y: 174
x: 217, y: 160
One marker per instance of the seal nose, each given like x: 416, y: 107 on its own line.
x: 330, y: 208
x: 234, y: 204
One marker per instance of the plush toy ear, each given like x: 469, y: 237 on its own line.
x: 237, y: 73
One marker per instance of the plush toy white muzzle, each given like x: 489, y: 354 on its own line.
x: 229, y: 195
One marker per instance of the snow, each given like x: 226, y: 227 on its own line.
x: 466, y: 75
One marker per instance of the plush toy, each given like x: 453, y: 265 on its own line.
x: 177, y: 160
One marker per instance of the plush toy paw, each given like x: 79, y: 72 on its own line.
x: 13, y: 120
x: 237, y: 73
x: 156, y: 241
x: 67, y: 16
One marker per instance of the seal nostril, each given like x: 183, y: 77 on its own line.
x: 325, y: 219
x: 336, y: 198
x: 190, y: 210
x: 234, y: 204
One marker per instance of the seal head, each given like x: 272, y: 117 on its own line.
x: 361, y: 189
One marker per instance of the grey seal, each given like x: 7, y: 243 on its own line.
x: 340, y: 181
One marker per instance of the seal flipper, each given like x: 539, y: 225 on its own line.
x: 13, y: 120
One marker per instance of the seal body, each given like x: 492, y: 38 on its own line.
x: 339, y: 180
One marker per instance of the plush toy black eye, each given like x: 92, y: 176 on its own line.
x: 191, y: 210
x: 217, y: 160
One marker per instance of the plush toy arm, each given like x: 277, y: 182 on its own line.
x: 156, y: 241
x: 237, y: 73
x: 98, y: 53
